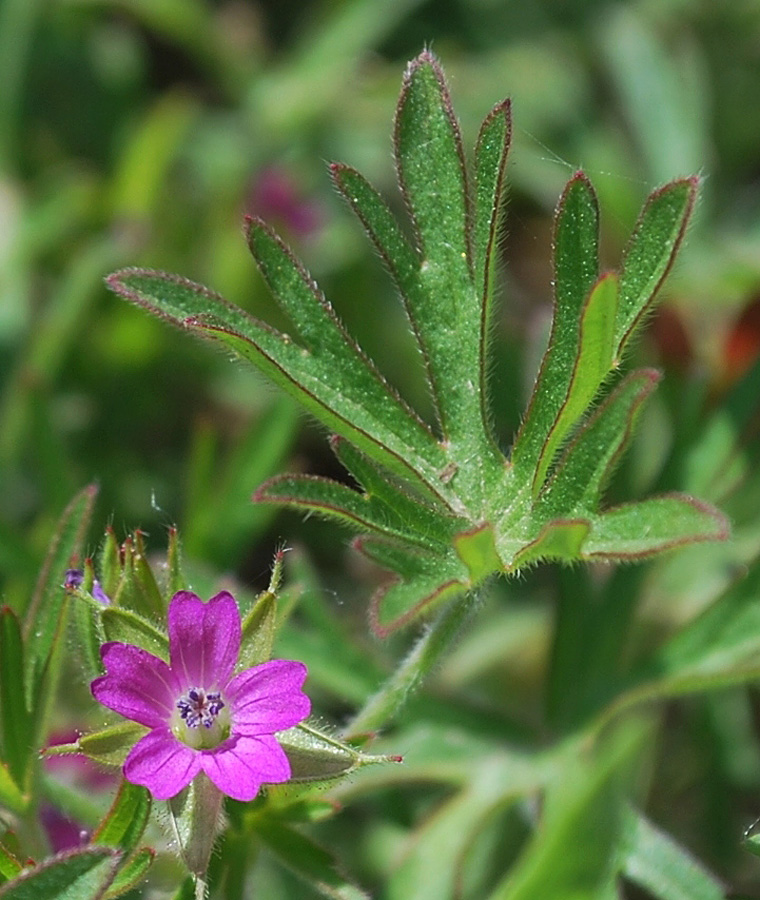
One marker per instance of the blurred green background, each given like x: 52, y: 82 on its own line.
x: 139, y: 132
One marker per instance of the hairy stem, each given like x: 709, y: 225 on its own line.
x: 426, y: 654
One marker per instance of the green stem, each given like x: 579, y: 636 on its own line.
x: 437, y: 639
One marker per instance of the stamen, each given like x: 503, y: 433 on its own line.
x: 197, y: 707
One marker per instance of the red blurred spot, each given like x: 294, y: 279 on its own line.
x: 742, y: 345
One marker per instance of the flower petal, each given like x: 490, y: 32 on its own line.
x: 204, y: 639
x: 162, y: 764
x: 268, y: 698
x: 137, y: 684
x: 240, y: 766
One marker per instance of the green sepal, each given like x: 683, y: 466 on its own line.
x: 81, y: 874
x: 195, y: 814
x: 259, y: 627
x: 637, y: 530
x: 176, y: 580
x: 650, y: 252
x: 137, y: 589
x: 109, y: 563
x: 317, y: 756
x: 109, y: 746
x: 583, y: 470
x: 16, y: 723
x: 86, y: 610
x: 128, y: 627
x: 131, y: 874
x: 46, y: 615
x: 124, y: 823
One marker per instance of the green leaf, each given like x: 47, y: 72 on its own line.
x: 573, y: 853
x: 491, y: 153
x: 592, y: 363
x: 651, y: 251
x: 576, y: 268
x: 306, y: 859
x: 46, y: 614
x: 333, y: 380
x: 16, y: 723
x: 424, y: 581
x: 653, y: 525
x: 449, y: 317
x: 586, y: 465
x: 10, y: 867
x: 131, y: 874
x: 125, y: 822
x: 11, y: 795
x: 83, y: 874
x: 664, y: 869
x: 561, y: 540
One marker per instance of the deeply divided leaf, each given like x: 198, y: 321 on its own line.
x: 439, y: 505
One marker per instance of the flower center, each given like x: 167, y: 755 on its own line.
x: 198, y: 707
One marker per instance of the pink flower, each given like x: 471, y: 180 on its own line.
x: 202, y: 718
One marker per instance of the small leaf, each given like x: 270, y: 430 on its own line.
x: 490, y: 166
x: 82, y: 874
x: 11, y: 795
x: 448, y: 317
x: 581, y: 473
x: 125, y: 821
x: 45, y: 615
x: 576, y: 268
x: 10, y: 866
x: 343, y: 390
x: 424, y: 580
x: 131, y: 874
x: 16, y: 724
x: 651, y: 251
x: 592, y: 363
x: 650, y: 526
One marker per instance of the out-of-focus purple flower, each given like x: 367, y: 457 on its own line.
x: 82, y: 774
x: 201, y: 717
x: 275, y: 197
x: 75, y: 578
